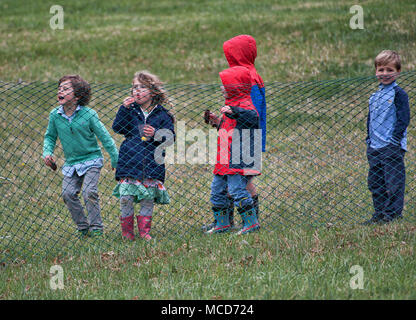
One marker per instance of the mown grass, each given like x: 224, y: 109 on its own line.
x: 107, y: 41
x: 298, y: 263
x: 313, y: 187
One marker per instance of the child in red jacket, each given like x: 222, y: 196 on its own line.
x: 238, y: 152
x: 241, y: 50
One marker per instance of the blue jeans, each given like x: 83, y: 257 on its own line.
x: 235, y: 185
x: 387, y: 180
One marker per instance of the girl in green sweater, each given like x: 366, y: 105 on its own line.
x: 78, y: 128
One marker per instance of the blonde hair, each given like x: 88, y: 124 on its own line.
x: 387, y: 56
x: 153, y: 83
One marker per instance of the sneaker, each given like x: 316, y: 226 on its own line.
x: 389, y: 219
x: 397, y: 218
x: 96, y: 233
x: 83, y: 233
x: 372, y: 220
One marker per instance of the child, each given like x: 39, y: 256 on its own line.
x: 242, y: 51
x: 232, y: 171
x: 140, y: 174
x: 78, y: 128
x: 388, y: 118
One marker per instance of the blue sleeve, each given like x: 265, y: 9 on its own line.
x: 166, y: 123
x: 401, y: 102
x: 263, y: 118
x: 367, y: 139
x: 169, y: 124
x: 258, y: 96
x: 123, y: 123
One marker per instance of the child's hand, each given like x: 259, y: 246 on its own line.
x: 211, y: 118
x: 50, y: 162
x: 128, y: 101
x: 148, y: 130
x: 226, y: 109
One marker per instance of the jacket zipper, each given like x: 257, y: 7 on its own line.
x: 145, y: 122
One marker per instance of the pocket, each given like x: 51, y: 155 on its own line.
x: 371, y: 150
x: 394, y: 148
x: 391, y: 152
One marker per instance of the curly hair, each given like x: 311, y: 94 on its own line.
x: 82, y: 89
x: 153, y: 83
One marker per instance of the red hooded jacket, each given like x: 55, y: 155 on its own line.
x: 239, y: 137
x: 242, y: 51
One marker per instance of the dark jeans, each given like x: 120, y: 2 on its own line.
x: 387, y: 180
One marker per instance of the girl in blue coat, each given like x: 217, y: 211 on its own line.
x: 148, y: 128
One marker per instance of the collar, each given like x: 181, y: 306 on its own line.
x: 388, y: 86
x: 148, y: 111
x: 61, y: 109
x: 139, y: 107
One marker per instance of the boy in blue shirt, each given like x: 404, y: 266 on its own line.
x: 388, y: 118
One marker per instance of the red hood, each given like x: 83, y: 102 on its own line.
x: 237, y: 82
x: 242, y: 51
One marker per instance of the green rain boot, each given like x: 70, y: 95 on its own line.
x: 222, y: 221
x: 249, y: 217
x: 230, y: 212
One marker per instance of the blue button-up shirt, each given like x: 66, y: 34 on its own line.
x: 388, y: 117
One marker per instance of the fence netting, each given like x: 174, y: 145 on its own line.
x: 314, y: 169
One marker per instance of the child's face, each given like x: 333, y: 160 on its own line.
x: 66, y: 94
x: 387, y: 73
x: 141, y: 93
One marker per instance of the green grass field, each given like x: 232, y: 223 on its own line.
x: 106, y: 41
x: 313, y: 187
x: 285, y: 264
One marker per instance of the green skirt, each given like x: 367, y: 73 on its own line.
x: 150, y: 189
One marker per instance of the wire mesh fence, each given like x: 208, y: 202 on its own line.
x: 314, y: 169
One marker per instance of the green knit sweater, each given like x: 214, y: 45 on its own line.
x: 79, y: 137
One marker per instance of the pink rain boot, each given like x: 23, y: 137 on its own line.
x: 144, y: 224
x: 127, y: 227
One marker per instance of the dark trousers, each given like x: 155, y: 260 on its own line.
x: 387, y: 180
